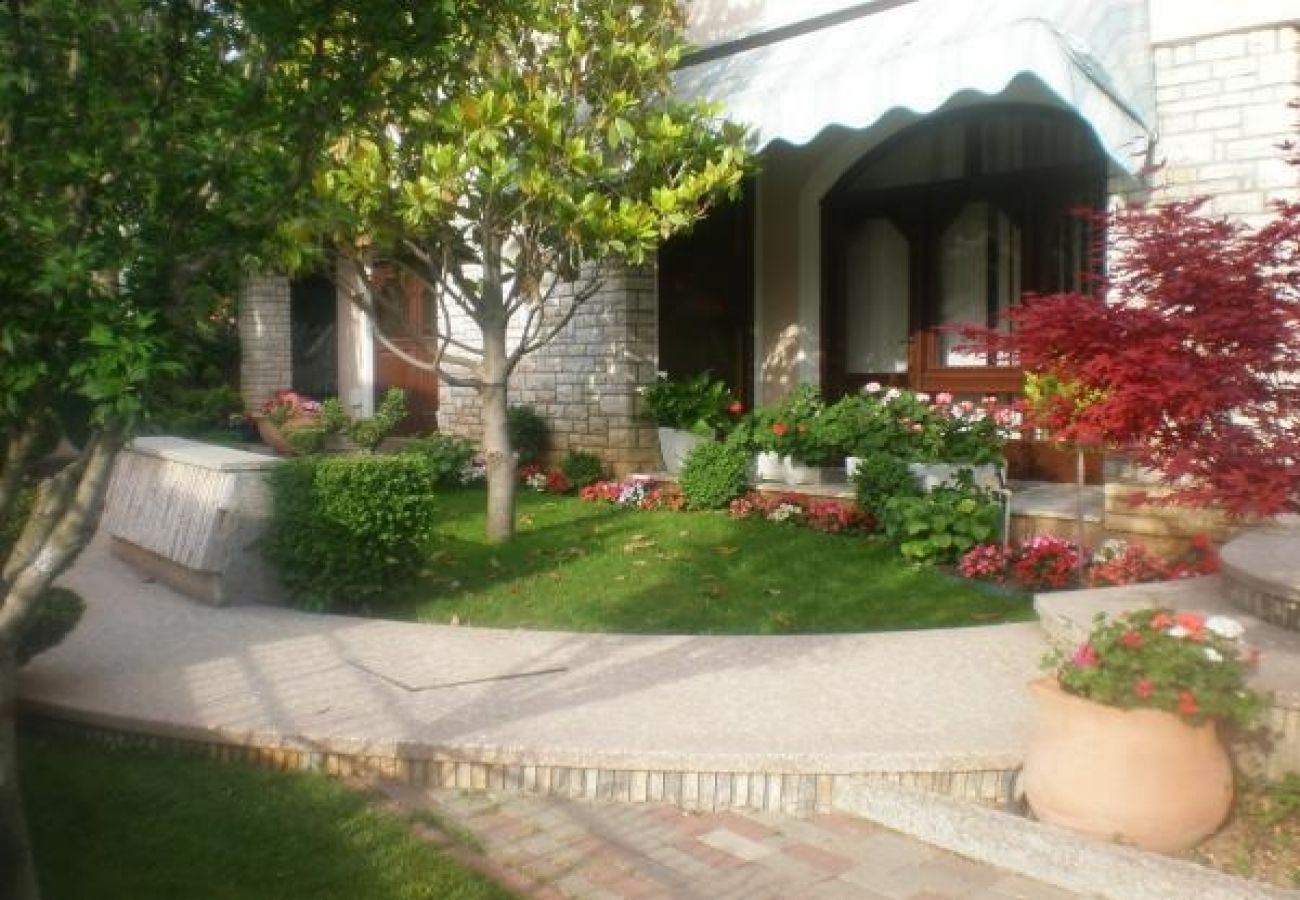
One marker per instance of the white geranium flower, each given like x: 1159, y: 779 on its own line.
x: 893, y: 394
x: 1225, y: 627
x: 871, y: 387
x: 923, y: 397
x: 1176, y: 631
x: 1213, y: 655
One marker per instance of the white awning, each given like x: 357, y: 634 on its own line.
x: 1091, y: 56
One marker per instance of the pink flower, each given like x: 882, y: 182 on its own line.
x: 1144, y: 688
x: 1187, y: 704
x: 1131, y: 640
x: 1086, y: 656
x: 943, y: 398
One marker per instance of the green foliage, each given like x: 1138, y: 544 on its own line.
x: 346, y: 529
x: 940, y: 526
x: 700, y: 405
x: 306, y: 440
x: 713, y: 474
x: 370, y: 433
x: 582, y: 468
x: 446, y: 454
x: 57, y: 612
x: 529, y: 433
x: 186, y: 411
x: 881, y: 477
x: 333, y: 417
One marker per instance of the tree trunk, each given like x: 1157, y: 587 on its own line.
x: 17, y: 869
x: 499, y: 454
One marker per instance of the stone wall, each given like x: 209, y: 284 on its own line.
x: 584, y: 383
x: 1222, y: 111
x: 266, y: 349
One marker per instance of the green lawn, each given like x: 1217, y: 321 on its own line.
x: 133, y: 825
x: 593, y: 567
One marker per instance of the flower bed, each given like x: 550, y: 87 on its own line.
x: 1046, y: 563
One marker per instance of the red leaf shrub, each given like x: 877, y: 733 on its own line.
x: 1193, y: 363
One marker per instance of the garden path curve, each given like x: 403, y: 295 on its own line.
x: 493, y: 708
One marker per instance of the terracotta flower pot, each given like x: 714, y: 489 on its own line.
x: 274, y: 437
x: 1140, y: 776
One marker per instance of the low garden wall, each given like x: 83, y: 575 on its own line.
x: 190, y: 514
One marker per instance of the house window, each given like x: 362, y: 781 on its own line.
x: 948, y: 223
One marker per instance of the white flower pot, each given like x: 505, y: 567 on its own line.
x: 798, y: 473
x: 932, y: 475
x: 674, y: 445
x: 851, y: 464
x: 769, y: 466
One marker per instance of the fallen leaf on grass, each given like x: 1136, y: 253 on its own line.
x: 726, y: 550
x: 775, y: 592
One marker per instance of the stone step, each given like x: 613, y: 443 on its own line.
x: 1262, y: 571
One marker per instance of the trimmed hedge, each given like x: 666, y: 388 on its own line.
x: 713, y: 474
x: 346, y: 529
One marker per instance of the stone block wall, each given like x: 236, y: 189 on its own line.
x: 1222, y: 111
x: 584, y: 383
x: 266, y: 349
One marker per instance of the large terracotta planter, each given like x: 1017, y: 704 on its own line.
x: 274, y: 437
x: 1138, y: 776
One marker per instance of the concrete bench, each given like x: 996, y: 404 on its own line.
x: 190, y: 514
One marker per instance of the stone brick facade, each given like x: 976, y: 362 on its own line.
x: 266, y: 358
x: 1222, y: 112
x: 584, y: 383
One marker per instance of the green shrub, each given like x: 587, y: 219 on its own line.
x: 701, y: 405
x: 881, y: 477
x: 940, y: 526
x: 529, y: 434
x: 714, y: 474
x: 345, y: 529
x: 582, y: 468
x: 306, y: 441
x: 370, y: 433
x: 56, y: 614
x: 333, y: 417
x: 447, y: 455
x: 185, y: 411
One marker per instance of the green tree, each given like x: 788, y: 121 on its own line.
x: 150, y: 152
x: 555, y: 151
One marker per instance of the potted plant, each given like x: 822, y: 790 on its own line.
x: 1128, y: 744
x: 753, y: 431
x: 285, y: 413
x: 801, y: 439
x: 688, y: 412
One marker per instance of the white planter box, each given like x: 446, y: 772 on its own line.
x: 798, y: 473
x: 769, y: 466
x: 674, y: 445
x: 932, y: 475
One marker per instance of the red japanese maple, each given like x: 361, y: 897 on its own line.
x: 1192, y: 363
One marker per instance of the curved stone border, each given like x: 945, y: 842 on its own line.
x: 1262, y: 571
x: 791, y: 793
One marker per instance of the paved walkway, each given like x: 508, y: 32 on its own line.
x: 147, y: 658
x: 547, y: 849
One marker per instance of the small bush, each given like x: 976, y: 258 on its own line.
x: 56, y: 614
x: 447, y: 454
x: 939, y: 527
x: 195, y: 410
x: 582, y: 468
x: 345, y: 529
x: 370, y: 433
x: 306, y: 441
x: 881, y: 477
x: 529, y: 434
x: 713, y: 475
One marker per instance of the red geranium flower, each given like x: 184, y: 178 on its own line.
x: 1144, y: 688
x: 780, y: 428
x: 1086, y: 656
x: 1130, y: 640
x: 1187, y: 703
x: 735, y: 407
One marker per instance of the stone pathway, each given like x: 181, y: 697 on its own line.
x: 548, y: 849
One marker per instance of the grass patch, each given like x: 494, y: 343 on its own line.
x: 119, y: 824
x: 592, y: 567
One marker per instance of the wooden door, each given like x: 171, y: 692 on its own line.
x: 410, y: 324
